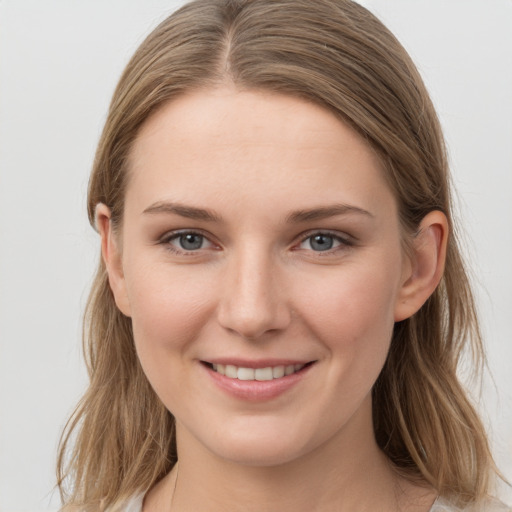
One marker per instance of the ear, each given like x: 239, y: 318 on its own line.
x: 426, y: 265
x: 112, y: 256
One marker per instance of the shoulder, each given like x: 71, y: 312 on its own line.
x: 490, y: 505
x: 135, y: 504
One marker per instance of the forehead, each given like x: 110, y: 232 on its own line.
x: 250, y: 143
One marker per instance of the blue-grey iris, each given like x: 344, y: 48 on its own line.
x: 321, y: 242
x: 191, y: 241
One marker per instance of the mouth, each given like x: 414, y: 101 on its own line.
x: 266, y: 373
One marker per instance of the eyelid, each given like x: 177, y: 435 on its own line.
x: 174, y: 234
x: 345, y: 240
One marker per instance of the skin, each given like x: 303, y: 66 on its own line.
x: 257, y: 287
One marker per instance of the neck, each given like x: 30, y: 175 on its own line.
x: 346, y: 473
x: 312, y: 483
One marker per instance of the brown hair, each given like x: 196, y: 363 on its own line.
x: 337, y: 54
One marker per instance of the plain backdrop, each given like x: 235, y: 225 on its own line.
x: 59, y: 62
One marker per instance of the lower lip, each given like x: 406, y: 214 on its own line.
x: 256, y: 390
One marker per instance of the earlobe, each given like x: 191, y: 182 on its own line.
x: 112, y: 257
x: 426, y: 265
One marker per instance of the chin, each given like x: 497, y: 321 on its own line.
x: 258, y: 454
x: 259, y: 443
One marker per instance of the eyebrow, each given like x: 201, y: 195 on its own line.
x: 307, y: 215
x: 189, y: 212
x: 325, y: 212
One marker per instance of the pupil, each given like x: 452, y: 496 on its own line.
x: 191, y: 241
x: 322, y: 242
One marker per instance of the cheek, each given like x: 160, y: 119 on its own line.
x: 169, y: 309
x: 358, y: 300
x: 352, y: 314
x: 169, y: 312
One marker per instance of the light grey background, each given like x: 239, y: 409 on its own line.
x: 59, y: 62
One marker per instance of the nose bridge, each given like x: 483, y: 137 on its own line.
x: 253, y: 302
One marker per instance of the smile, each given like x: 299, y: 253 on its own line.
x: 256, y: 381
x: 259, y: 374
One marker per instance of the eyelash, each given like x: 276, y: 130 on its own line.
x: 343, y: 242
x: 176, y: 235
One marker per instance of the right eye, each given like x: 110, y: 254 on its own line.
x: 187, y: 241
x: 320, y: 242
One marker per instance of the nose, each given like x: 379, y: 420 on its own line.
x: 254, y: 301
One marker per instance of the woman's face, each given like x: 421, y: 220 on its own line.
x: 260, y: 241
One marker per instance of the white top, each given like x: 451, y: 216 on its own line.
x: 135, y: 504
x: 440, y: 505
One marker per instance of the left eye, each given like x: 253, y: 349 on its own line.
x: 321, y: 242
x: 189, y: 241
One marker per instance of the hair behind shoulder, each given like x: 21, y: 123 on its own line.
x: 335, y: 53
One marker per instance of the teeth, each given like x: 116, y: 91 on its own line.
x: 278, y: 372
x: 231, y: 371
x: 261, y: 374
x: 245, y: 374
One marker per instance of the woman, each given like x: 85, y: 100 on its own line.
x: 281, y: 303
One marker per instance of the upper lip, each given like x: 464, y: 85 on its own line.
x: 255, y: 363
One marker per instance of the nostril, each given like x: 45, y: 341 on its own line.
x: 253, y: 302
